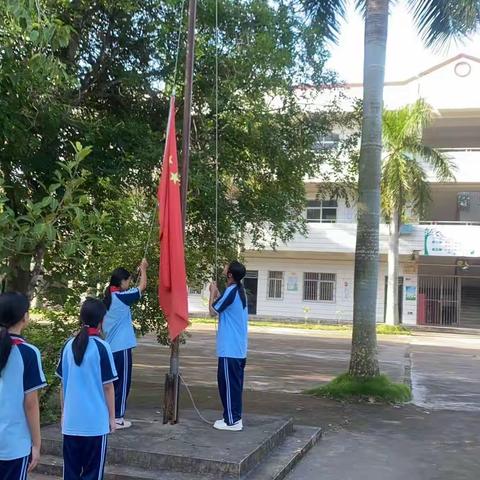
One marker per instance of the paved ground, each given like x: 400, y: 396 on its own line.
x: 436, y: 438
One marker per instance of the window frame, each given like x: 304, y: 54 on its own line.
x: 275, y: 280
x: 319, y: 281
x: 321, y: 208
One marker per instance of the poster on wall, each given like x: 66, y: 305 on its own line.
x: 411, y: 293
x: 292, y: 282
x: 409, y: 316
x: 458, y: 242
x: 347, y: 289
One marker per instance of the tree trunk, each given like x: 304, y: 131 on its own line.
x: 25, y: 281
x: 18, y: 279
x: 363, y: 362
x: 392, y: 316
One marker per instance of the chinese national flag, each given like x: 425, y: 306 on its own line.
x: 172, y: 282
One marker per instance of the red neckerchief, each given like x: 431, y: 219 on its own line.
x: 93, y: 331
x: 114, y: 289
x: 17, y: 340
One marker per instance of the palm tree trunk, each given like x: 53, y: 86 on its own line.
x: 392, y: 310
x: 363, y: 362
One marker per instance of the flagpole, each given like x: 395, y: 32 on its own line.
x: 172, y: 381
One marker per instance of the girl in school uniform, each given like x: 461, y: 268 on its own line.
x: 232, y: 344
x: 21, y: 376
x: 87, y: 371
x: 119, y: 332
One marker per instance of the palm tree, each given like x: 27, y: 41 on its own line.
x: 437, y: 21
x: 404, y: 180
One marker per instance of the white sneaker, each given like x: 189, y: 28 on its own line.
x: 122, y: 424
x: 221, y: 425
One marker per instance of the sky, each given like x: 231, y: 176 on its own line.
x: 406, y: 54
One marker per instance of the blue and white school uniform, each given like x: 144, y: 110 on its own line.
x: 22, y: 374
x: 119, y: 333
x: 86, y: 422
x: 232, y: 345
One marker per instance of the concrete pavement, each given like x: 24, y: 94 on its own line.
x: 437, y: 437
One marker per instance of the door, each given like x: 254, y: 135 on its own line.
x: 400, y: 299
x: 439, y: 300
x: 251, y: 288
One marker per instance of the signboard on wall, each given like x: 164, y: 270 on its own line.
x: 409, y: 316
x: 292, y: 282
x: 458, y: 242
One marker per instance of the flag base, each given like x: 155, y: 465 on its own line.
x: 171, y: 398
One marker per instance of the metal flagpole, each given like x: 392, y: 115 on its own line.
x: 172, y: 381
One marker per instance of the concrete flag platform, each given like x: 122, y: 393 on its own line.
x: 267, y: 449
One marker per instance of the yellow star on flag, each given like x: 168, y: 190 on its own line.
x: 175, y: 177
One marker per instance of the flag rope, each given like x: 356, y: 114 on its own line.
x: 216, y: 141
x: 174, y: 87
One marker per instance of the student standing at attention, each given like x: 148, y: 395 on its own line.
x: 87, y: 371
x: 21, y: 376
x: 232, y: 340
x: 119, y: 332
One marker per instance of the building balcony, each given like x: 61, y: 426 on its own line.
x: 432, y: 238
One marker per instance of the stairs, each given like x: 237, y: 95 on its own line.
x: 267, y: 450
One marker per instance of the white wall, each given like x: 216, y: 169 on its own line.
x: 292, y: 304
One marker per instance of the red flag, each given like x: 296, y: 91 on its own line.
x: 172, y: 282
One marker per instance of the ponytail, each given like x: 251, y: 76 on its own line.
x: 13, y: 308
x: 118, y: 275
x: 107, y: 298
x: 238, y: 272
x: 242, y: 293
x: 91, y: 316
x: 80, y: 344
x: 5, y: 347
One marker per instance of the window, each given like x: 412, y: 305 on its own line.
x: 319, y: 287
x: 322, y: 211
x: 275, y: 285
x: 328, y: 141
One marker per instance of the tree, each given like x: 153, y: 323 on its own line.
x: 438, y: 21
x: 404, y: 180
x: 103, y: 73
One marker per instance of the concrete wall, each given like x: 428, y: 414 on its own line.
x: 291, y: 305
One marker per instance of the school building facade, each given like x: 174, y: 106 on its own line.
x: 311, y: 276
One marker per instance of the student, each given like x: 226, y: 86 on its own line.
x: 87, y: 371
x: 119, y: 332
x: 21, y: 376
x: 232, y: 340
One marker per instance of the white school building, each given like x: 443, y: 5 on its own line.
x: 311, y: 276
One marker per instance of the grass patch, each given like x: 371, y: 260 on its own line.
x: 376, y: 389
x: 381, y: 329
x: 393, y: 330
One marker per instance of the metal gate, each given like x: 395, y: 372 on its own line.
x: 439, y: 300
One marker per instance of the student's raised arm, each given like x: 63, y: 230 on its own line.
x: 214, y: 294
x: 142, y: 284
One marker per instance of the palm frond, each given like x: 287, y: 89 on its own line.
x: 407, y: 123
x: 440, y: 21
x: 408, y: 160
x: 326, y: 14
x: 442, y: 165
x: 419, y: 191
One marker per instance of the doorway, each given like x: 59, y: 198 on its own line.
x: 251, y: 288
